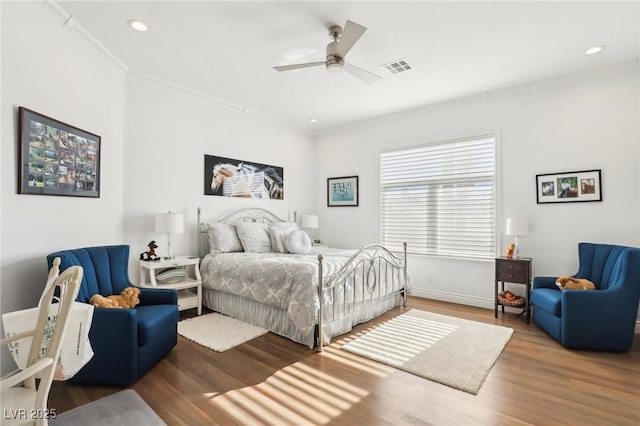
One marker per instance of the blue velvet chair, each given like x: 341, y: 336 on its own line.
x: 126, y: 342
x: 602, y: 319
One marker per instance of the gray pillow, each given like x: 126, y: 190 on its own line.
x: 298, y: 242
x: 223, y: 238
x: 254, y: 236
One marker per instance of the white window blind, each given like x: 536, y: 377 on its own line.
x: 439, y: 198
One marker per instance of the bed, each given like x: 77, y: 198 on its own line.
x: 263, y: 270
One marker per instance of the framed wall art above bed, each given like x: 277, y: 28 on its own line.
x: 228, y: 177
x: 55, y: 158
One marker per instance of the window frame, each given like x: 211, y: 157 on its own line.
x: 497, y: 190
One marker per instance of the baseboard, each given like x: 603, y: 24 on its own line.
x: 462, y: 299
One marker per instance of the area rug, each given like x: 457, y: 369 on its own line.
x: 455, y: 352
x: 125, y: 408
x: 218, y: 332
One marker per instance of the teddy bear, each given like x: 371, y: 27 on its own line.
x: 510, y: 250
x: 570, y: 283
x: 128, y: 298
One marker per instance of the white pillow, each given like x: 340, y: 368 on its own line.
x: 223, y: 238
x: 298, y: 242
x: 254, y: 236
x: 278, y: 233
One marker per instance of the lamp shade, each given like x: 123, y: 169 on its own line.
x: 169, y: 223
x: 310, y: 221
x: 517, y: 226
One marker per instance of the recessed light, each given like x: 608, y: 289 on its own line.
x: 313, y: 120
x: 137, y: 25
x: 593, y: 50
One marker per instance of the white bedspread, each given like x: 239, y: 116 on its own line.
x: 287, y: 281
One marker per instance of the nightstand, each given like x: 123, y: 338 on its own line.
x: 517, y: 271
x: 189, y: 289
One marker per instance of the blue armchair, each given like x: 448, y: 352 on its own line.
x: 601, y: 319
x: 126, y: 342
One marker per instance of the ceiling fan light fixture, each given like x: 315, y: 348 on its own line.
x: 138, y: 25
x: 334, y: 68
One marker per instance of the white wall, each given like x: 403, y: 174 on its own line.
x: 579, y: 124
x: 169, y: 131
x: 154, y: 138
x: 48, y: 69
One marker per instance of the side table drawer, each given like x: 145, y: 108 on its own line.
x: 512, y: 271
x: 512, y: 276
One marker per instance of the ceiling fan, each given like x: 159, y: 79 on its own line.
x: 343, y: 41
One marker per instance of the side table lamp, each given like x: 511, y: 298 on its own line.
x: 517, y: 227
x: 169, y: 223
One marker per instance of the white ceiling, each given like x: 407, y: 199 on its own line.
x: 226, y: 50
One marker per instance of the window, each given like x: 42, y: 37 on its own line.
x: 439, y: 198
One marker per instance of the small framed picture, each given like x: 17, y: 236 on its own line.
x: 569, y: 187
x: 317, y: 242
x: 342, y: 191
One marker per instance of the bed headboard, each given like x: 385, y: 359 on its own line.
x: 250, y: 214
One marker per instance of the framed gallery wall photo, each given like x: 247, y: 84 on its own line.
x: 569, y: 187
x: 342, y: 191
x: 56, y: 158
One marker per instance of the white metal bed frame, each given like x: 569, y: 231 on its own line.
x: 373, y: 262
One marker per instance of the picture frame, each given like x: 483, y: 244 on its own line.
x: 317, y: 241
x: 569, y: 187
x: 343, y: 191
x: 56, y: 158
x: 229, y: 177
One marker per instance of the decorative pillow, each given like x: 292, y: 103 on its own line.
x: 298, y: 242
x: 223, y: 238
x: 254, y: 236
x: 171, y: 276
x: 278, y: 233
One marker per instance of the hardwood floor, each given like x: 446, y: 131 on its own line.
x: 271, y: 380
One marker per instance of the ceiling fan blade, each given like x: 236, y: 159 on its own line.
x: 298, y: 66
x: 350, y: 35
x: 364, y: 75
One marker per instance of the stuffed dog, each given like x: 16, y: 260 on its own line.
x: 566, y: 283
x: 128, y: 298
x: 100, y: 301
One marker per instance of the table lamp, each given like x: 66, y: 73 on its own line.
x: 169, y: 223
x: 310, y: 222
x: 517, y: 227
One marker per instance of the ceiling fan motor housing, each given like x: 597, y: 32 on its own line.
x: 334, y: 62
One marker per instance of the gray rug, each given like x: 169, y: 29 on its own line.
x: 124, y: 408
x: 455, y: 352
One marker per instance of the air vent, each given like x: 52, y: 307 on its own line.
x: 396, y: 67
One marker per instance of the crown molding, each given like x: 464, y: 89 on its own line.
x: 71, y: 23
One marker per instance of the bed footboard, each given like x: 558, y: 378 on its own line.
x: 371, y: 276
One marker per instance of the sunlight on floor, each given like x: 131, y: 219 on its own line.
x: 398, y: 340
x: 297, y: 394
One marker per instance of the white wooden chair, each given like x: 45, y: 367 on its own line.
x: 23, y: 399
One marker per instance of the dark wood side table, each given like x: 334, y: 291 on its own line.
x: 517, y: 271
